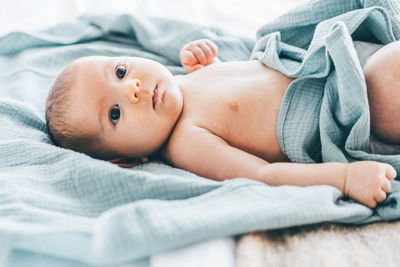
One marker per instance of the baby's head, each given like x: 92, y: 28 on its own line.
x: 112, y: 108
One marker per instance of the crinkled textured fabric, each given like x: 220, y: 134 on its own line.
x: 62, y: 208
x: 324, y: 115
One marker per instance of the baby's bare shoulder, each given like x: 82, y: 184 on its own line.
x: 198, y: 150
x: 178, y: 141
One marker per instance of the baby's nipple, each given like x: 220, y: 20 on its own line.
x: 233, y: 105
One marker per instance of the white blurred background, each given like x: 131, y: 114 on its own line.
x: 241, y: 17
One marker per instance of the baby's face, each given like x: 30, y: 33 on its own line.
x: 131, y: 103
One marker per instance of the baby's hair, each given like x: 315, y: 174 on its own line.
x: 60, y: 127
x: 57, y: 105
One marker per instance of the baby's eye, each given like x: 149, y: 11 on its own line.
x: 114, y: 114
x: 120, y: 71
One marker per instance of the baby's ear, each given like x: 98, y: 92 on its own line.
x: 128, y: 163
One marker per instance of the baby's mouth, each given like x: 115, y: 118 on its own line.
x: 155, y: 96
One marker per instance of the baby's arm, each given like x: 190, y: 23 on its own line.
x: 210, y: 156
x: 198, y: 54
x: 364, y: 181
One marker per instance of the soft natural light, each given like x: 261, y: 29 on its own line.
x: 239, y: 17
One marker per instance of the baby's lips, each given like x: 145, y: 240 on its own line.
x: 155, y: 97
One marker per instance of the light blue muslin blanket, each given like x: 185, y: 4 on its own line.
x: 62, y: 208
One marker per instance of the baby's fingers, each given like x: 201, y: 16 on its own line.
x: 190, y: 69
x: 207, y: 52
x: 209, y: 49
x: 386, y: 186
x: 200, y: 55
x: 371, y: 203
x: 213, y: 47
x: 390, y: 172
x: 187, y: 58
x: 380, y: 196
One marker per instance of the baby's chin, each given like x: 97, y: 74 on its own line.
x: 171, y: 99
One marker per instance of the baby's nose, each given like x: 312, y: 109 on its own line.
x: 134, y: 91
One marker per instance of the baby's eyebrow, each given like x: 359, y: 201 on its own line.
x: 100, y: 113
x: 100, y: 104
x: 109, y: 65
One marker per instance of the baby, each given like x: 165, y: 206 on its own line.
x: 219, y: 121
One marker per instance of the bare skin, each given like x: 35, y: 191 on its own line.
x: 382, y: 78
x: 225, y: 127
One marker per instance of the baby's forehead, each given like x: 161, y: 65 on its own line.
x: 87, y: 68
x: 89, y: 78
x: 90, y: 67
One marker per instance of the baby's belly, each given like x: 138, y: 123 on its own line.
x: 255, y: 128
x: 244, y: 111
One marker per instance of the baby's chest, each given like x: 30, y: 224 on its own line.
x: 241, y: 109
x: 224, y: 103
x: 243, y: 114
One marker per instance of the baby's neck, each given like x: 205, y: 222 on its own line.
x: 180, y: 81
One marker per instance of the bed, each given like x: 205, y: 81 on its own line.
x: 37, y: 233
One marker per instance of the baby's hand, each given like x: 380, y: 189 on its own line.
x: 368, y: 182
x: 198, y: 54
